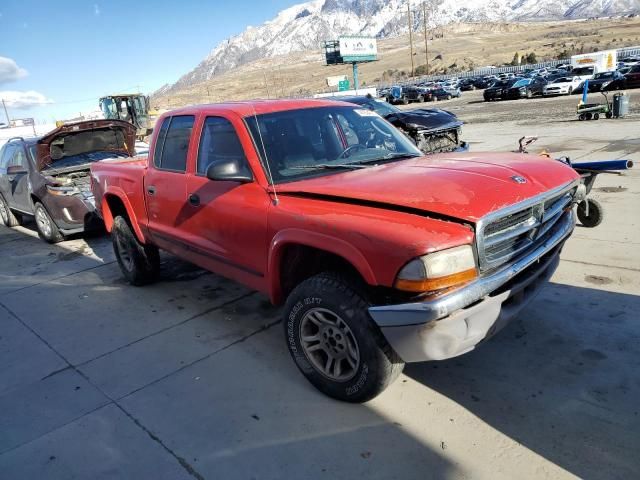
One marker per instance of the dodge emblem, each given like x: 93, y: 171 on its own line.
x: 519, y: 179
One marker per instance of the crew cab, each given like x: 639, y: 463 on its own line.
x: 379, y: 254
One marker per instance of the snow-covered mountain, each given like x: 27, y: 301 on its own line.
x: 305, y: 26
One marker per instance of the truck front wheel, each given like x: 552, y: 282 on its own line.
x: 334, y: 342
x: 140, y: 264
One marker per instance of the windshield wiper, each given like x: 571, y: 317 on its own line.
x: 390, y: 157
x: 329, y: 166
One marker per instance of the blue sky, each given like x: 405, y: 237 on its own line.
x: 73, y: 52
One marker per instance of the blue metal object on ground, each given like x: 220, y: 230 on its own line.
x: 603, y: 165
x: 585, y: 91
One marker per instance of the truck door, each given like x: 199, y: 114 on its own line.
x: 226, y: 222
x: 165, y: 181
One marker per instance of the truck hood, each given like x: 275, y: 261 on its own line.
x: 81, y: 138
x: 460, y: 186
x: 431, y: 119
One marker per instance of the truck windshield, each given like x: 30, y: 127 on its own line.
x: 302, y: 143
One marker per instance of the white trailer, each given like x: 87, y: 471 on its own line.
x: 604, y: 61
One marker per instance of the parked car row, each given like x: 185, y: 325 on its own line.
x: 560, y: 80
x: 425, y: 92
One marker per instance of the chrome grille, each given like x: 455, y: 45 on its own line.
x: 508, y: 233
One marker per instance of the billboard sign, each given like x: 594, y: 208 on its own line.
x: 358, y: 49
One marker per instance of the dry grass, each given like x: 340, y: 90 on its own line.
x: 463, y: 45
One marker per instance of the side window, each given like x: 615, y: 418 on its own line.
x: 175, y: 144
x: 219, y: 142
x: 19, y: 158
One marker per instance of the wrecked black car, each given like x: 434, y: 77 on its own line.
x: 433, y: 130
x: 48, y: 177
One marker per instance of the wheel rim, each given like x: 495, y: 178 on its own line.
x: 43, y: 222
x: 329, y: 344
x: 4, y: 215
x: 123, y: 252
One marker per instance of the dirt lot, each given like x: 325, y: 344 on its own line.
x: 190, y: 377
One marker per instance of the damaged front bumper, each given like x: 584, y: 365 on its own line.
x: 455, y: 323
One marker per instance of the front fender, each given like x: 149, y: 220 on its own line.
x: 320, y: 241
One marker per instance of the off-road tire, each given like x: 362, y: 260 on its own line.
x: 140, y: 264
x: 46, y: 227
x: 7, y: 217
x: 378, y: 364
x: 595, y: 213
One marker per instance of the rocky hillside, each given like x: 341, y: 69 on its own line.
x: 305, y: 26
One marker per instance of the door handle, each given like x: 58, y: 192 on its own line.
x: 194, y: 199
x: 151, y: 190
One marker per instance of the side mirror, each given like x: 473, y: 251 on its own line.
x: 230, y: 171
x: 16, y: 170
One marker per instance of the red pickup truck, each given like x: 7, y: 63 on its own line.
x: 381, y: 255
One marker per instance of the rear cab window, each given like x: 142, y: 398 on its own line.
x: 172, y: 143
x: 219, y: 142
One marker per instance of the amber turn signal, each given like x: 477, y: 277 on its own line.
x: 431, y: 284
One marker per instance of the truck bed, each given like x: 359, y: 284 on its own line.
x: 122, y: 176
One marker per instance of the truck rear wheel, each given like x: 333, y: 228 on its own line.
x: 140, y: 264
x: 334, y: 342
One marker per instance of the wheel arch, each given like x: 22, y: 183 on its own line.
x: 296, y: 255
x: 115, y: 203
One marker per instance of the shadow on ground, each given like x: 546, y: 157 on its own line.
x: 562, y: 380
x: 189, y: 377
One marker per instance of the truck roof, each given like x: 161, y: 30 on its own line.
x: 259, y: 107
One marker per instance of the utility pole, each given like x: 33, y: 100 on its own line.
x: 266, y: 84
x: 410, y: 36
x: 426, y: 47
x: 6, y: 113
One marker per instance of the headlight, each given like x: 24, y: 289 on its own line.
x: 63, y: 191
x: 438, y: 270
